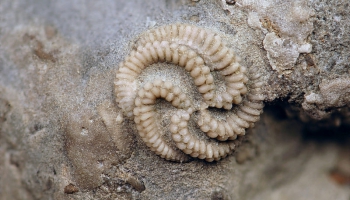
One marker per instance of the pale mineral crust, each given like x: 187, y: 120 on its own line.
x: 62, y: 135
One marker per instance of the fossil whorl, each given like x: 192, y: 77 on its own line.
x: 144, y: 113
x: 201, y: 53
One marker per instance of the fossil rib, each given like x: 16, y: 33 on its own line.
x: 200, y: 52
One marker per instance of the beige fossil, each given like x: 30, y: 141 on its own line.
x: 201, y: 53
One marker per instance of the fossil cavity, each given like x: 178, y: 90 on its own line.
x: 201, y: 53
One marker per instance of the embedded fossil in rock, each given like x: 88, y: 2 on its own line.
x: 201, y: 53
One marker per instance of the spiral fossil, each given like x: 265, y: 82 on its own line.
x: 201, y: 53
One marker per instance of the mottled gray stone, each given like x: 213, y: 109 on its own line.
x: 63, y: 137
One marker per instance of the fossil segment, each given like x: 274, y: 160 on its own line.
x: 207, y: 149
x: 237, y: 119
x: 211, y: 48
x: 192, y: 48
x: 144, y: 113
x: 160, y: 52
x: 204, y: 56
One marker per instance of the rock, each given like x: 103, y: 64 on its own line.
x: 62, y: 135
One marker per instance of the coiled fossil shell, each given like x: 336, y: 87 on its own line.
x: 200, y: 52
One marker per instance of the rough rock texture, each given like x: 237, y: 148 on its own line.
x: 63, y: 137
x: 286, y: 25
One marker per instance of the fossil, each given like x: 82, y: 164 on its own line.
x: 201, y: 53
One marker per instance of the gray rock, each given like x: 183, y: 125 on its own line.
x: 62, y: 135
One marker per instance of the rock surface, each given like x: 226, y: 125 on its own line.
x: 63, y: 137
